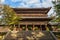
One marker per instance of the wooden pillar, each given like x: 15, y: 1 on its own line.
x: 14, y: 27
x: 47, y: 29
x: 20, y: 28
x: 41, y: 27
x: 33, y: 27
x: 26, y: 28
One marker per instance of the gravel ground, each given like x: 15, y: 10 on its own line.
x: 30, y: 35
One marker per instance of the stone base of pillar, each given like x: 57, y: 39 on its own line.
x: 26, y: 29
x: 33, y: 29
x: 20, y: 29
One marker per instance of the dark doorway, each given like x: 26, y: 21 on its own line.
x: 50, y: 27
x: 43, y: 27
x: 37, y: 27
x: 23, y: 27
x: 29, y: 27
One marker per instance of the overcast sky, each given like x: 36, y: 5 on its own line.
x: 29, y: 4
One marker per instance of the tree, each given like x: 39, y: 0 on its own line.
x: 57, y: 10
x: 9, y: 16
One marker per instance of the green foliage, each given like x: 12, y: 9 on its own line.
x: 57, y: 10
x: 58, y: 26
x: 9, y: 16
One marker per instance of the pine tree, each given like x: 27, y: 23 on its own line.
x: 57, y: 10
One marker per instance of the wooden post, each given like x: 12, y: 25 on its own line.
x: 26, y: 28
x: 14, y: 27
x: 33, y: 28
x: 19, y: 26
x: 20, y: 29
x: 41, y: 27
x: 47, y: 29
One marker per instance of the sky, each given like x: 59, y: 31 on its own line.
x: 29, y: 4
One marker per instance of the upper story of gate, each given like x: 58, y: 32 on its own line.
x: 32, y: 12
